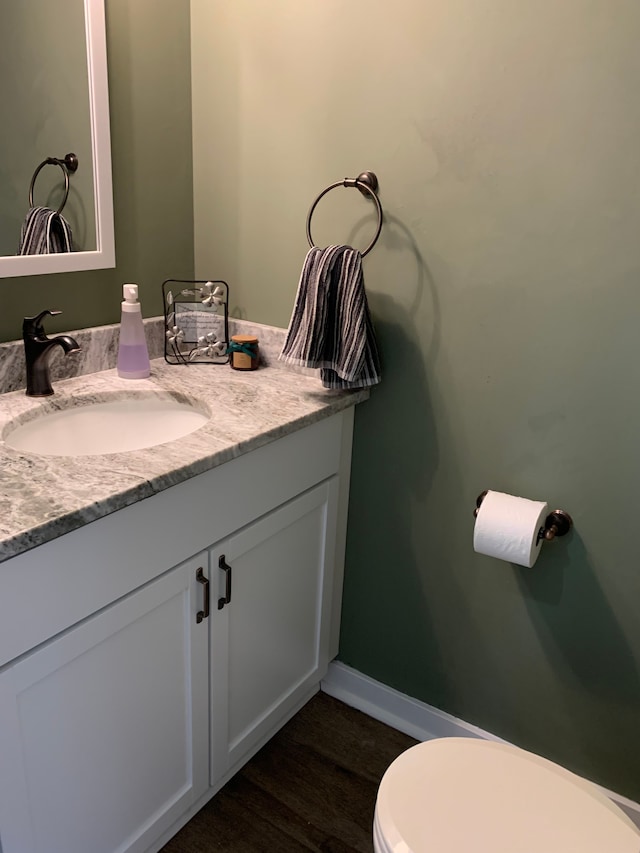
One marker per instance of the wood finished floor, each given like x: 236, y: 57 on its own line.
x: 312, y: 787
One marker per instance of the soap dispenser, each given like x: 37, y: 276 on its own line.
x: 133, y: 356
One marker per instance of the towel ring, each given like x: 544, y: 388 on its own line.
x: 68, y: 164
x: 367, y: 183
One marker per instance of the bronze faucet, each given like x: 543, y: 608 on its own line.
x: 37, y: 347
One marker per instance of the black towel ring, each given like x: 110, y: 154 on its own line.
x: 68, y: 164
x: 367, y: 183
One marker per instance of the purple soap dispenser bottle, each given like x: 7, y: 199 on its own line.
x: 133, y: 356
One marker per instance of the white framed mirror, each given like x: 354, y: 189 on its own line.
x: 54, y: 101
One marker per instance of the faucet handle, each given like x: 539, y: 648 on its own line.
x: 33, y: 325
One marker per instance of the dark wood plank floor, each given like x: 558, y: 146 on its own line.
x: 312, y: 787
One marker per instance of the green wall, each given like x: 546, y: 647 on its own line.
x: 505, y: 294
x: 150, y: 107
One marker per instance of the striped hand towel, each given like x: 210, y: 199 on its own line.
x: 44, y: 232
x: 330, y: 325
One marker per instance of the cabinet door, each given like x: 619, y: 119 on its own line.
x: 103, y: 731
x: 269, y: 643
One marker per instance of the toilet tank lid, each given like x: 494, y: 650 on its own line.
x: 452, y: 794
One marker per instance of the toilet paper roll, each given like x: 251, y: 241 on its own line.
x: 507, y: 528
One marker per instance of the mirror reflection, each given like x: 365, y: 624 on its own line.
x: 53, y: 102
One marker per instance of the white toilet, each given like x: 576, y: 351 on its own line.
x: 462, y: 795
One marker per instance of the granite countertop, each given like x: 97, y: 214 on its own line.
x: 44, y: 497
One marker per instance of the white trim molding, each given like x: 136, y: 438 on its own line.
x: 417, y: 719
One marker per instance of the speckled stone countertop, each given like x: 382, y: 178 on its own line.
x: 43, y: 497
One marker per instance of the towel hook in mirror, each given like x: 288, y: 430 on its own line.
x: 67, y: 164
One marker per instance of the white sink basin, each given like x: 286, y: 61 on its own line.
x: 114, y: 426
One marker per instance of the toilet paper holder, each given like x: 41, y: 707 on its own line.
x: 557, y: 523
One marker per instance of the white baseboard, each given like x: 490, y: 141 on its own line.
x: 417, y: 719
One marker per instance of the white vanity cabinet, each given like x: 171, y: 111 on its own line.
x: 269, y: 639
x: 100, y: 729
x: 123, y: 706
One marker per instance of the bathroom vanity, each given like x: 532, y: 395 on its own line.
x: 164, y: 611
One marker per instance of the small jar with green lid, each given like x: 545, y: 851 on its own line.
x: 243, y: 352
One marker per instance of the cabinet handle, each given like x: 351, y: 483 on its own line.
x: 227, y: 587
x: 202, y: 614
